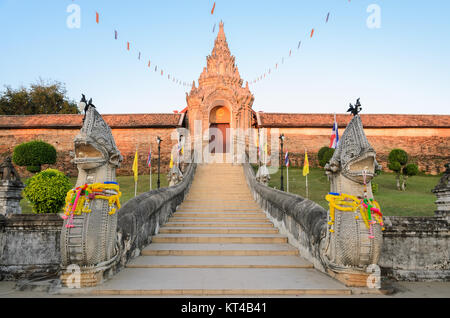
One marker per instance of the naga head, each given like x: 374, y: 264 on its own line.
x: 95, y: 145
x: 354, y: 157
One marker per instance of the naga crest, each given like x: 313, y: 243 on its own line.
x: 95, y: 145
x: 354, y: 157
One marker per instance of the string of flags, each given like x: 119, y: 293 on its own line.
x: 264, y: 75
x: 129, y: 47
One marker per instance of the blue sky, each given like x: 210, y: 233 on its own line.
x: 402, y: 67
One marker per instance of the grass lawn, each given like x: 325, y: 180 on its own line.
x: 418, y: 200
x: 126, y: 187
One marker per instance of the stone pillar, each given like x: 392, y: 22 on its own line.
x: 10, y: 189
x: 442, y: 192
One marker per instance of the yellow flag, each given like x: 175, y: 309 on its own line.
x: 135, y: 167
x: 306, y: 165
x: 171, y: 161
x: 265, y: 148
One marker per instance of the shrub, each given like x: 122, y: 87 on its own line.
x: 398, y: 160
x: 374, y: 188
x: 324, y: 155
x: 411, y: 170
x: 47, y: 191
x: 33, y: 154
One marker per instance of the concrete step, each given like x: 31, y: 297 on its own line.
x: 220, y: 281
x: 223, y: 238
x: 162, y: 249
x: 219, y: 215
x: 217, y: 224
x: 219, y: 219
x: 219, y: 262
x: 169, y: 230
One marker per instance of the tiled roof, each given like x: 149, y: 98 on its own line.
x: 75, y: 121
x: 282, y: 120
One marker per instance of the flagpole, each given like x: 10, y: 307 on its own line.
x: 150, y: 166
x: 287, y: 177
x: 307, y: 194
x: 135, y: 181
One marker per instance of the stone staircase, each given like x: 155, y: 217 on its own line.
x: 220, y: 242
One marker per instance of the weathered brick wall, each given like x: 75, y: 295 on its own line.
x: 126, y: 140
x: 430, y: 149
x: 427, y: 145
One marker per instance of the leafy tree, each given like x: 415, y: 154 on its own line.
x: 41, y: 98
x: 33, y: 154
x: 324, y: 155
x: 398, y: 162
x: 47, y: 191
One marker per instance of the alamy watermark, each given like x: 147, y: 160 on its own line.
x: 374, y: 19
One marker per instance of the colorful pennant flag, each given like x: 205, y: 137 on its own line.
x: 97, y: 17
x: 306, y: 165
x: 214, y: 6
x: 334, y: 140
x: 328, y: 16
x: 135, y: 166
x: 115, y: 34
x: 149, y: 158
x: 312, y: 33
x: 286, y: 159
x: 299, y: 43
x: 171, y: 161
x: 128, y: 46
x: 148, y: 63
x: 139, y: 57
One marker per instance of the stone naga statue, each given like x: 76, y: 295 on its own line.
x: 89, y: 238
x: 354, y: 237
x: 263, y: 175
x: 174, y: 176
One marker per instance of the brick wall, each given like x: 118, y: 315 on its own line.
x: 425, y: 137
x: 126, y: 140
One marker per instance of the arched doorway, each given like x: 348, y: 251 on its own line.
x: 219, y: 118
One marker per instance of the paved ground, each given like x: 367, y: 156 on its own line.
x: 402, y: 290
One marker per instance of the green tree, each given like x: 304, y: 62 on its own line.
x: 47, y: 191
x: 41, y: 98
x: 398, y: 162
x: 33, y: 154
x: 324, y: 155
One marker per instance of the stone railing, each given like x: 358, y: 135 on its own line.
x: 29, y: 246
x: 140, y: 218
x: 302, y: 220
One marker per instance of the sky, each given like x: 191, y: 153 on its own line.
x: 402, y: 67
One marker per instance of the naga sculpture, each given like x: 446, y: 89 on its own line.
x: 263, y: 175
x: 89, y: 233
x: 354, y: 231
x: 174, y: 176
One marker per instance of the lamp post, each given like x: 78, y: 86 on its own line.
x: 159, y: 140
x: 281, y: 161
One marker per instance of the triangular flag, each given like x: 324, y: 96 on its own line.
x: 328, y: 16
x: 299, y: 43
x: 312, y: 33
x: 148, y: 63
x: 306, y: 165
x: 214, y: 6
x: 139, y: 57
x: 115, y: 35
x: 128, y: 46
x: 135, y: 166
x: 97, y: 17
x: 171, y: 161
